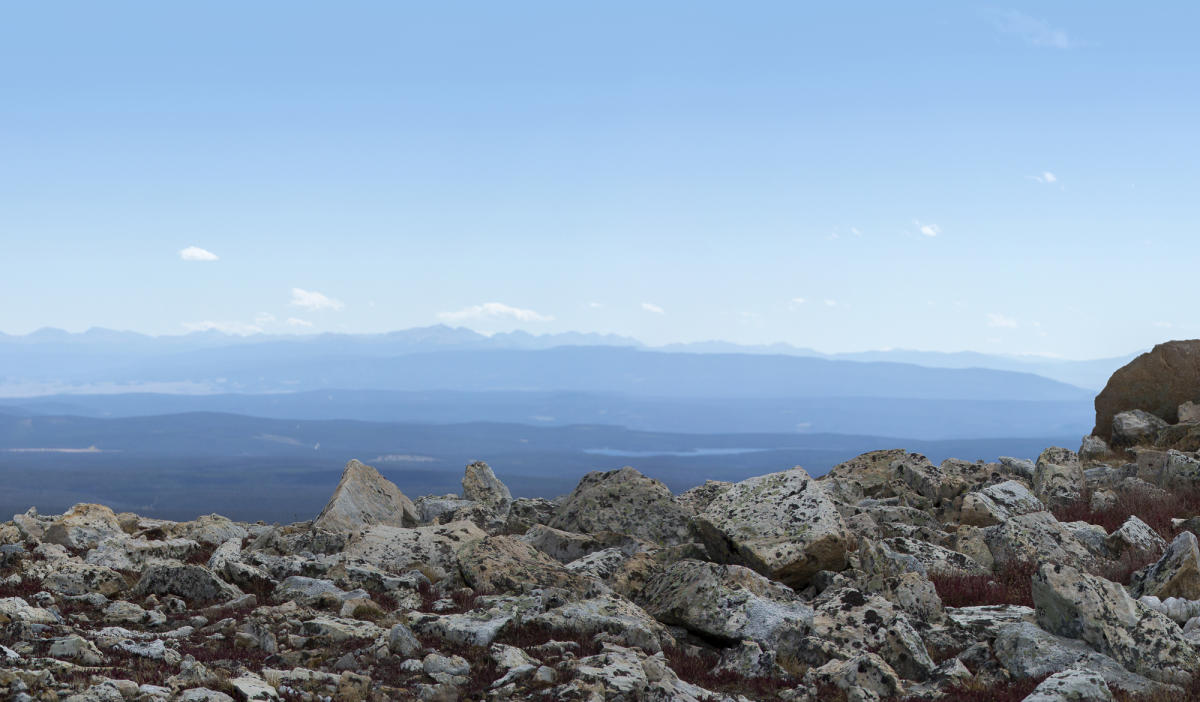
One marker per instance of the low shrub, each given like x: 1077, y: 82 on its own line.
x: 1011, y: 584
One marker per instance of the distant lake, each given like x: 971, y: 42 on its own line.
x: 621, y: 453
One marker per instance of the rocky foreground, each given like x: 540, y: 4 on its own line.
x: 1072, y: 577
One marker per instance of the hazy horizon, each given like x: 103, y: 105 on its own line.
x: 941, y: 177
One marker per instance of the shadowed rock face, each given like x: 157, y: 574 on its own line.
x: 366, y: 498
x: 1157, y: 381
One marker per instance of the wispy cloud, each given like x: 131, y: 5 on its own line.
x: 239, y: 328
x: 1163, y: 325
x: 313, y: 301
x: 495, y: 310
x: 651, y: 307
x: 796, y: 301
x: 1001, y: 321
x: 929, y: 230
x: 1046, y: 178
x: 595, y: 305
x: 195, y: 253
x: 831, y: 303
x: 264, y: 318
x: 1032, y: 31
x: 297, y: 322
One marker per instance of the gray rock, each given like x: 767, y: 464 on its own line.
x: 1081, y: 606
x: 1093, y: 448
x: 1135, y: 536
x: 782, y: 525
x: 1026, y: 651
x: 1018, y: 466
x: 1072, y: 685
x: 626, y: 502
x: 857, y: 623
x: 1036, y: 537
x: 193, y: 583
x: 631, y: 625
x: 1134, y: 427
x: 1058, y: 477
x: 866, y: 677
x: 397, y: 550
x: 84, y: 526
x: 402, y: 642
x: 365, y: 498
x: 1175, y: 574
x: 481, y: 485
x: 998, y: 503
x: 728, y: 603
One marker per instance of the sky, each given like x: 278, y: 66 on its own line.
x: 1005, y: 178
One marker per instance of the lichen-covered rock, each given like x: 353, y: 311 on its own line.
x: 626, y: 502
x: 84, y: 526
x: 365, y: 498
x: 626, y: 622
x: 1135, y: 536
x: 1134, y: 427
x: 1077, y: 605
x: 697, y: 499
x: 1093, y: 448
x: 727, y: 603
x: 997, y: 504
x: 15, y: 609
x: 507, y: 564
x: 782, y: 525
x: 1175, y: 574
x: 910, y: 477
x: 620, y: 674
x: 864, y: 678
x: 481, y: 485
x: 1027, y: 651
x: 1058, y: 477
x: 194, y: 583
x: 1072, y: 685
x: 73, y: 578
x: 397, y: 550
x: 1034, y: 538
x: 562, y: 546
x: 135, y: 554
x: 926, y: 558
x: 858, y: 623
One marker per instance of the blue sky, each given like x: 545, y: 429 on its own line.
x: 1014, y: 178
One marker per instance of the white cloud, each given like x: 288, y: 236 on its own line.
x: 1046, y: 178
x: 495, y: 310
x: 930, y: 230
x: 195, y: 253
x: 651, y: 307
x: 595, y: 305
x: 1033, y: 31
x: 297, y: 322
x: 1163, y: 325
x: 855, y: 232
x: 999, y: 320
x: 239, y: 328
x: 312, y: 300
x: 831, y: 303
x: 264, y: 318
x: 798, y: 301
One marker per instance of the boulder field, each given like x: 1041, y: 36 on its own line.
x: 1071, y: 576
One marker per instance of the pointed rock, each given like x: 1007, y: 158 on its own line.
x: 481, y: 485
x: 365, y: 498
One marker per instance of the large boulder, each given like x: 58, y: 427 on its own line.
x: 727, y: 603
x: 1157, y: 381
x: 998, y: 503
x: 1081, y: 606
x: 1072, y: 685
x: 1035, y: 538
x: 783, y: 525
x: 1027, y: 651
x: 397, y: 550
x: 626, y: 502
x: 193, y: 583
x: 365, y: 498
x: 1058, y: 477
x: 856, y: 623
x: 893, y: 473
x: 1176, y: 574
x: 507, y: 564
x: 84, y: 526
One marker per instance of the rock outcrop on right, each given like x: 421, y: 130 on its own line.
x: 1158, y: 382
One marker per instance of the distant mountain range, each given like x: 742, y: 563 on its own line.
x: 52, y: 360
